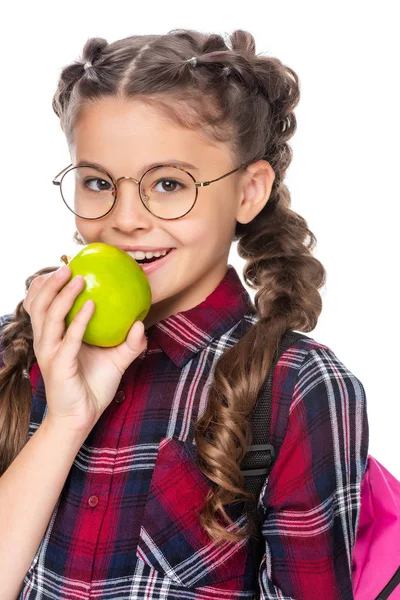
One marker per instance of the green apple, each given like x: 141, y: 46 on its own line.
x: 119, y: 288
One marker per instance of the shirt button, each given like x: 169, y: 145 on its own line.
x: 119, y: 396
x: 93, y: 501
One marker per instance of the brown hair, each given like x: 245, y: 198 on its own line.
x: 245, y: 100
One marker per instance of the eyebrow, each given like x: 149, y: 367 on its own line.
x: 166, y: 161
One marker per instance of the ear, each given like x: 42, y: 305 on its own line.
x: 256, y: 185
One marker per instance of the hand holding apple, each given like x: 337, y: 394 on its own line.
x: 80, y: 379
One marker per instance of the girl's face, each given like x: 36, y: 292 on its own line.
x: 122, y: 137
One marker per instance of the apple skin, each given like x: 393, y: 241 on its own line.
x: 119, y: 288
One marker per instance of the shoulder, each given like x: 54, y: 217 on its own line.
x: 323, y: 423
x: 328, y: 412
x: 312, y: 364
x: 4, y: 319
x: 320, y: 371
x: 323, y: 398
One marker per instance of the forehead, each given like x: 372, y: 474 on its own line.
x: 120, y: 125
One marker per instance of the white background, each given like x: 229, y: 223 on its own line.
x: 342, y: 178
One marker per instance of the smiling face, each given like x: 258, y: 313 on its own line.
x: 123, y: 136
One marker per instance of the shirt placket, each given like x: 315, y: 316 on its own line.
x: 97, y: 494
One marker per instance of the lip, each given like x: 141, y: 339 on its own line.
x: 150, y: 267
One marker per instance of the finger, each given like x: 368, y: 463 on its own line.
x: 54, y: 324
x: 34, y: 287
x: 134, y: 344
x: 44, y: 297
x: 72, y: 341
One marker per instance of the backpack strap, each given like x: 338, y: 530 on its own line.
x: 260, y: 456
x: 259, y: 459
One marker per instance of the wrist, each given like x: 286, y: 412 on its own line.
x: 67, y: 426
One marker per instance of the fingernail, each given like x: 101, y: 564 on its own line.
x: 62, y: 270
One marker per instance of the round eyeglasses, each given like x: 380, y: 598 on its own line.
x: 167, y: 191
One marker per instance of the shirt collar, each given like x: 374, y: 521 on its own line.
x: 185, y: 333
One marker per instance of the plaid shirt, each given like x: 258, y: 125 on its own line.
x: 126, y: 523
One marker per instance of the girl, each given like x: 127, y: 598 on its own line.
x: 121, y: 466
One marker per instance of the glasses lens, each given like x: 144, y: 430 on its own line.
x: 168, y: 192
x: 87, y: 191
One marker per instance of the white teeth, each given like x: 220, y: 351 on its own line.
x: 140, y: 255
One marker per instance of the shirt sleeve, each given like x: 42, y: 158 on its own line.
x: 311, y: 500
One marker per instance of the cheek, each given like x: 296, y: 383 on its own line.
x: 191, y: 230
x: 88, y: 230
x: 208, y: 221
x: 207, y: 231
x: 196, y: 234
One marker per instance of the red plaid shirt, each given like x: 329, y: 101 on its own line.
x: 126, y: 523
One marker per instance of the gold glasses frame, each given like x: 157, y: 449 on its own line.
x: 115, y: 184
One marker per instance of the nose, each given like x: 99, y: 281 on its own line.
x: 129, y: 211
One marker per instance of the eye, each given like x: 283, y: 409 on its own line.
x: 168, y: 185
x: 103, y: 183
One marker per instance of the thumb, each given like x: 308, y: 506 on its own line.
x: 134, y: 344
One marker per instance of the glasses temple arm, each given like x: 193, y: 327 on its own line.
x: 60, y: 173
x: 204, y: 183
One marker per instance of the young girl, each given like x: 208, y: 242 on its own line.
x: 121, y: 466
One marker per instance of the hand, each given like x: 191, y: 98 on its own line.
x: 80, y: 379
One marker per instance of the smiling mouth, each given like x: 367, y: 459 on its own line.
x: 147, y: 261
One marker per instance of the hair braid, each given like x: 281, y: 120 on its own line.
x: 16, y: 343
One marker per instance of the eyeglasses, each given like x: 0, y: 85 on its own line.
x: 167, y: 191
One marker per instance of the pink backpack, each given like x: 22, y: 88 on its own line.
x: 376, y: 553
